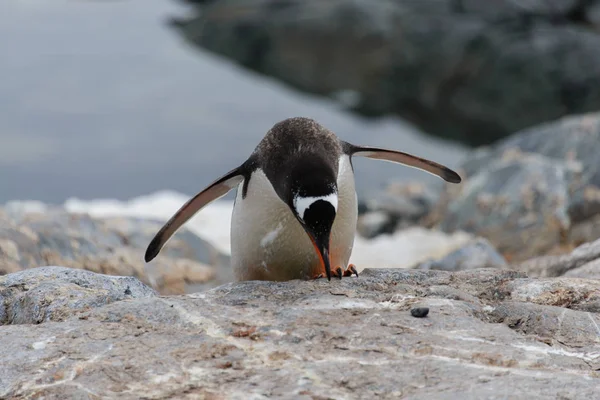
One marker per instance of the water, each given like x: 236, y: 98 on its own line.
x: 103, y: 100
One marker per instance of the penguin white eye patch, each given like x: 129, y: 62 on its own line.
x: 301, y: 204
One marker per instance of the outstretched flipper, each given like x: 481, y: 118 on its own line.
x: 212, y: 192
x: 403, y: 158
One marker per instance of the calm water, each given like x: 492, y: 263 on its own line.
x: 103, y: 100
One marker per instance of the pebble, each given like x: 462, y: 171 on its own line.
x: 419, y: 312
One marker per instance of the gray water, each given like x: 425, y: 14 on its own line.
x: 101, y: 99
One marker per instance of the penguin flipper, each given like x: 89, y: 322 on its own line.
x: 212, y: 192
x: 403, y: 158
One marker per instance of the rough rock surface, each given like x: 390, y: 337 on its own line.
x: 113, y: 246
x: 468, y: 70
x: 589, y: 270
x: 51, y: 293
x: 478, y: 253
x: 534, y: 193
x: 400, y: 205
x: 583, y: 262
x: 489, y: 334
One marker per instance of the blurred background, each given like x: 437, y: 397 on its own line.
x: 104, y: 105
x: 107, y: 99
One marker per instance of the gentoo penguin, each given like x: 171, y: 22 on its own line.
x: 295, y: 213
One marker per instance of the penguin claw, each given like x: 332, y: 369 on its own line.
x: 339, y: 272
x: 351, y: 270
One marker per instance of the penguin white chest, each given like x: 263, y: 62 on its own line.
x: 267, y: 242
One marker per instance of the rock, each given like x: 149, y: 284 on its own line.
x: 113, y: 246
x: 405, y: 248
x: 52, y: 293
x: 470, y: 71
x: 515, y: 201
x: 566, y: 264
x: 534, y: 193
x: 419, y: 312
x: 406, y: 201
x: 493, y: 331
x: 572, y: 293
x: 478, y: 253
x: 590, y: 270
x: 401, y: 205
x: 372, y: 224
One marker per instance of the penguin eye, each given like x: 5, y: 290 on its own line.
x: 302, y: 204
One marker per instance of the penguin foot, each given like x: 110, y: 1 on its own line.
x: 351, y: 270
x: 339, y: 272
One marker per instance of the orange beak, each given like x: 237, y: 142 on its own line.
x: 322, y: 249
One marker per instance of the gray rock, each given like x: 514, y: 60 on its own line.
x: 572, y: 293
x: 113, y: 246
x: 512, y: 202
x: 494, y: 330
x: 574, y: 141
x: 590, y: 270
x: 52, y: 293
x: 375, y: 223
x: 399, y: 206
x: 556, y: 265
x: 478, y: 253
x: 532, y: 193
x: 468, y: 70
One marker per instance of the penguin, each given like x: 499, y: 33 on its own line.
x: 295, y: 210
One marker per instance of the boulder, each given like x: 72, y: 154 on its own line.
x: 53, y: 293
x: 399, y: 206
x: 534, y: 193
x: 373, y: 223
x: 478, y: 253
x: 113, y: 246
x: 589, y: 270
x: 467, y: 70
x: 487, y: 332
x: 581, y: 262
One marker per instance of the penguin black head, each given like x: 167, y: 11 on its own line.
x: 312, y: 196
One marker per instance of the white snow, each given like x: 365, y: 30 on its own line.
x: 400, y: 250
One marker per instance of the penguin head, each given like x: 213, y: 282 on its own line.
x: 312, y: 196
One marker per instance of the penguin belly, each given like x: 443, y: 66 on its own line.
x: 268, y: 243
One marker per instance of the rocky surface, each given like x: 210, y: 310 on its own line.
x: 113, y: 246
x: 53, y: 293
x: 489, y: 333
x: 535, y: 193
x: 583, y: 262
x: 399, y: 206
x: 478, y: 253
x: 467, y: 70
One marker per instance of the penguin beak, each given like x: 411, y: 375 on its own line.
x: 322, y: 249
x: 321, y: 245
